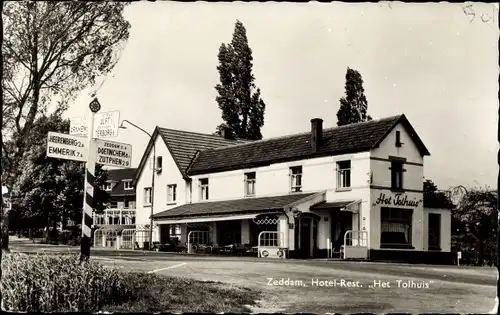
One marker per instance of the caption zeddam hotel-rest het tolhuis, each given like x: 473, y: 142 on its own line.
x: 356, y: 188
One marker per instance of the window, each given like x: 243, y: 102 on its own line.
x: 396, y: 175
x: 147, y: 196
x: 250, y: 184
x: 113, y: 204
x: 434, y: 241
x: 395, y: 227
x: 343, y: 174
x: 126, y: 204
x: 159, y: 162
x: 107, y: 186
x: 204, y: 189
x: 128, y: 184
x: 296, y: 179
x: 398, y: 139
x: 172, y: 193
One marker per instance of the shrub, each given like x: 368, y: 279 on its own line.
x: 42, y: 283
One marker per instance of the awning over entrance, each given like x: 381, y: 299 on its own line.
x: 349, y: 205
x: 205, y: 219
x: 246, y: 208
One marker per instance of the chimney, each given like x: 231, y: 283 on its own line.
x: 316, y: 133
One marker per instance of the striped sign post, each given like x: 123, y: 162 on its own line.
x: 88, y: 196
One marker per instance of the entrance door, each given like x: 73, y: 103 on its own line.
x: 305, y: 237
x: 341, y: 223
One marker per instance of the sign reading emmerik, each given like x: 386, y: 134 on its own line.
x: 398, y: 200
x: 67, y: 147
x: 113, y: 153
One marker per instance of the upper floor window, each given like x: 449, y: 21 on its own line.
x: 128, y: 184
x: 147, y: 196
x: 107, y: 186
x: 396, y: 175
x: 159, y: 162
x: 250, y: 184
x: 344, y: 174
x: 172, y: 193
x: 204, y: 188
x: 398, y: 139
x: 296, y: 179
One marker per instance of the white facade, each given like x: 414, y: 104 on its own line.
x: 370, y: 186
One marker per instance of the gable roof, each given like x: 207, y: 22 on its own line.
x: 119, y: 175
x: 351, y: 138
x: 183, y: 146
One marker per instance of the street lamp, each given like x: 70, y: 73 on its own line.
x: 152, y: 180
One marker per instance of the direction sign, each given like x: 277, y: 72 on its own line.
x: 67, y: 147
x: 114, y: 153
x: 105, y: 125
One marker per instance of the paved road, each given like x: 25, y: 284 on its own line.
x: 319, y: 286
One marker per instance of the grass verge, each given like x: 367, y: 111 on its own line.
x: 59, y: 283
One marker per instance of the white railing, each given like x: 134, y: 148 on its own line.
x: 115, y: 217
x: 271, y: 244
x: 355, y: 245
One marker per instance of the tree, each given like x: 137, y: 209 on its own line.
x: 434, y: 198
x: 477, y: 210
x: 51, y: 51
x: 353, y: 107
x: 51, y: 189
x: 238, y: 98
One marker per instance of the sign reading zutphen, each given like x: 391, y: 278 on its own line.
x: 114, y: 153
x: 105, y: 125
x: 67, y: 147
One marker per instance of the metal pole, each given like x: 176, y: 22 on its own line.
x: 88, y: 192
x: 152, y: 198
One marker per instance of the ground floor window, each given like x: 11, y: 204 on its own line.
x: 434, y: 231
x: 395, y: 227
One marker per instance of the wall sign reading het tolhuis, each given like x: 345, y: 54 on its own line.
x: 401, y: 200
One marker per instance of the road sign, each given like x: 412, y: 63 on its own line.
x: 105, y: 125
x: 114, y: 153
x: 78, y: 126
x: 67, y: 147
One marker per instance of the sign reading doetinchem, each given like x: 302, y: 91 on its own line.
x: 114, y: 153
x: 67, y: 147
x: 105, y: 125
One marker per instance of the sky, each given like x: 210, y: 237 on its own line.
x: 437, y: 63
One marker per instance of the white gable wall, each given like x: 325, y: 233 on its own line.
x: 413, y: 179
x: 170, y: 175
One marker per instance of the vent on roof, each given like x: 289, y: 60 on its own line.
x: 316, y: 133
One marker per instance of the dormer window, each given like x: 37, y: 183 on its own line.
x: 107, y: 186
x: 128, y: 184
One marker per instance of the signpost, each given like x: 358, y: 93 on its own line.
x: 114, y: 153
x: 105, y: 125
x: 63, y: 146
x: 80, y: 145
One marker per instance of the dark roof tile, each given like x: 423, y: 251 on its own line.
x: 247, y: 205
x: 183, y: 145
x: 345, y: 139
x: 119, y: 175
